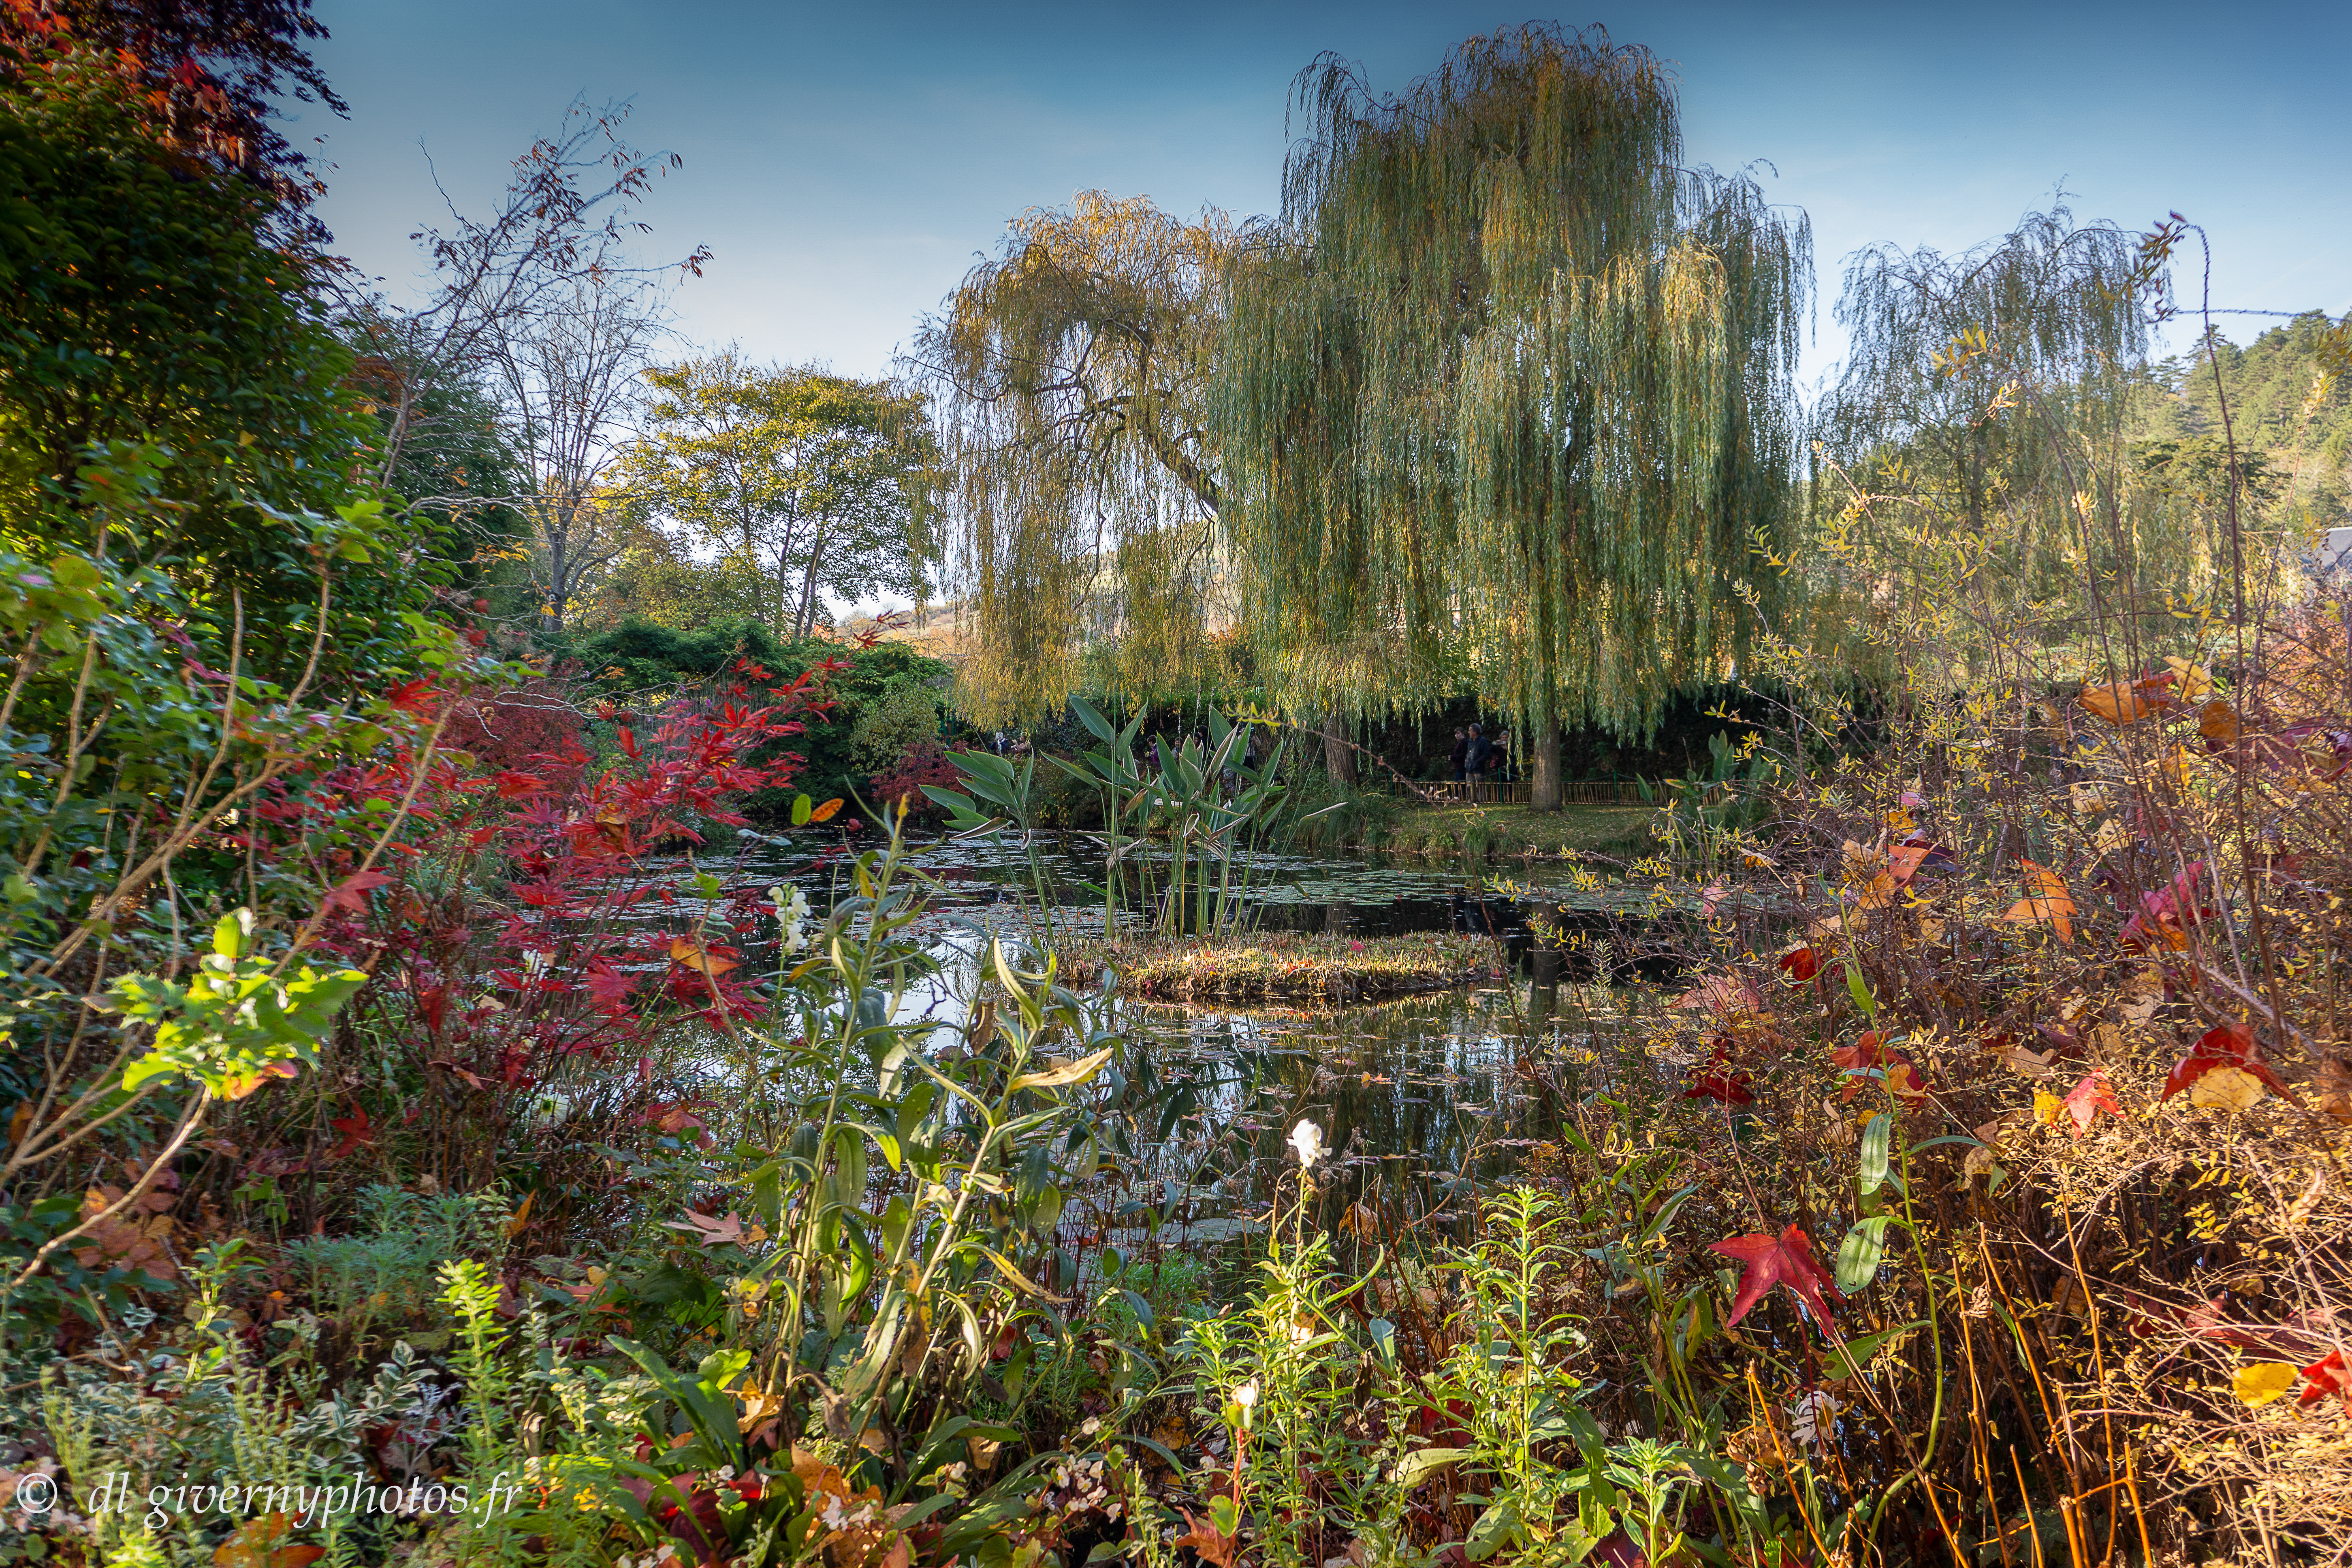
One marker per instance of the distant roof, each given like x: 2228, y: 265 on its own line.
x: 2333, y: 552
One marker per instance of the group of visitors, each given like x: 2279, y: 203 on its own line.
x: 1478, y: 759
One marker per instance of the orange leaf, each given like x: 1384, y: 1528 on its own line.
x: 2219, y: 722
x: 2049, y: 901
x: 251, y: 1546
x: 824, y: 812
x: 706, y: 960
x: 238, y: 1088
x: 2129, y: 701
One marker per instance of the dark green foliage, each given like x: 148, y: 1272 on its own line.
x: 638, y: 662
x: 139, y: 304
x: 2290, y: 412
x: 2280, y: 389
x: 176, y: 510
x: 639, y: 656
x: 452, y: 466
x: 206, y: 77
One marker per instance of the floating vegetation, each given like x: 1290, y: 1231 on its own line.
x: 1295, y: 966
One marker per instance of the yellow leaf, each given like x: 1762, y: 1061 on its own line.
x: 2226, y: 1088
x: 2176, y: 765
x: 1019, y: 1280
x: 1067, y: 1073
x: 758, y: 1405
x: 2047, y: 1108
x: 521, y: 1217
x: 2263, y: 1381
x: 2190, y: 681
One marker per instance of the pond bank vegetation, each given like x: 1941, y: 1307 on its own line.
x: 1935, y: 1152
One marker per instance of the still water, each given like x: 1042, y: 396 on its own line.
x: 1418, y: 1100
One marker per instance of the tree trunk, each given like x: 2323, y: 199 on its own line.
x: 551, y: 617
x: 805, y: 623
x: 1544, y: 791
x: 1339, y: 757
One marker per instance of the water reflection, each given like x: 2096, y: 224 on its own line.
x: 1420, y: 1100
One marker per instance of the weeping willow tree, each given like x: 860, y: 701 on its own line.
x: 1069, y: 373
x: 1993, y: 487
x: 1512, y: 397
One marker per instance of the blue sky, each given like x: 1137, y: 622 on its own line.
x: 846, y: 161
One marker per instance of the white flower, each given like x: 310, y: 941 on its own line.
x: 1813, y: 1417
x: 1247, y: 1395
x: 791, y: 911
x: 1307, y: 1139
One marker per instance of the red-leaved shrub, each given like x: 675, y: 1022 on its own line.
x: 924, y: 762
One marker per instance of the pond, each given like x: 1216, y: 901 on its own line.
x: 1418, y: 1100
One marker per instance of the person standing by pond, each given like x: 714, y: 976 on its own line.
x: 1477, y: 754
x: 1457, y: 759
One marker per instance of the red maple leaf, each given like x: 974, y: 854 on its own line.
x: 513, y: 785
x: 1800, y: 964
x: 607, y: 986
x: 2090, y: 1097
x: 411, y: 696
x: 2326, y: 1375
x: 351, y: 893
x: 1719, y: 1081
x: 1787, y: 1261
x: 356, y: 1127
x: 2231, y: 1046
x: 1871, y: 1051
